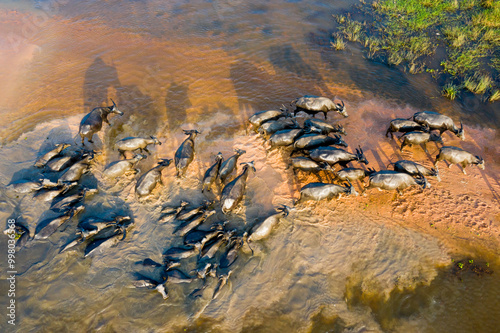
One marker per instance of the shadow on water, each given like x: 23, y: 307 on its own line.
x: 99, y: 77
x: 476, y: 111
x: 258, y: 90
x: 140, y: 116
x: 253, y: 86
x: 381, y: 80
x: 285, y: 57
x: 176, y: 103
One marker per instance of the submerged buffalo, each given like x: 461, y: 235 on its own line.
x: 229, y: 165
x: 263, y: 229
x: 186, y: 227
x: 185, y: 153
x: 264, y: 116
x: 71, y: 200
x: 315, y: 104
x: 233, y: 192
x: 26, y: 186
x: 321, y: 191
x: 77, y: 170
x: 212, y: 173
x: 269, y: 128
x: 47, y: 227
x: 146, y: 184
x: 118, y: 168
x: 43, y: 160
x: 231, y: 254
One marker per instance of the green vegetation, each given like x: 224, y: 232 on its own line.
x: 464, y: 266
x: 451, y: 91
x: 350, y: 29
x: 338, y: 44
x: 408, y: 32
x: 495, y: 96
x: 477, y: 83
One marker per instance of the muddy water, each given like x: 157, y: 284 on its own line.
x: 370, y: 263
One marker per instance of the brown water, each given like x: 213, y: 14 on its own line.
x: 367, y: 264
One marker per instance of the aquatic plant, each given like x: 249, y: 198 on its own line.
x: 470, y: 265
x: 407, y: 33
x: 451, y: 90
x: 495, y: 96
x: 477, y: 83
x: 338, y: 43
x: 351, y: 29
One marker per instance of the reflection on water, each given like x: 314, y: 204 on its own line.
x: 357, y: 265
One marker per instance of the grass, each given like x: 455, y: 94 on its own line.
x: 495, y: 96
x: 456, y: 36
x: 495, y: 63
x: 338, y: 44
x: 407, y: 32
x: 351, y: 29
x: 373, y: 44
x: 451, y: 91
x: 477, y: 83
x: 460, y: 62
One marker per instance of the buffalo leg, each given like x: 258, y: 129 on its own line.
x: 438, y: 158
x: 317, y: 175
x: 463, y: 168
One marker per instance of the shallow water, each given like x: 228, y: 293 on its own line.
x: 366, y: 264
